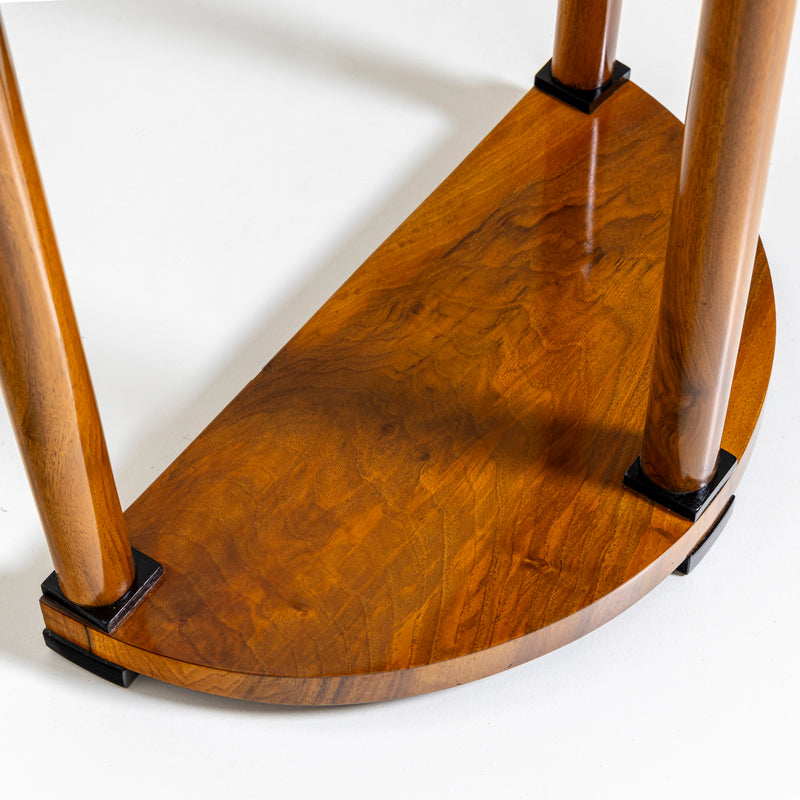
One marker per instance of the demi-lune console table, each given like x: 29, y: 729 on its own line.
x: 528, y: 407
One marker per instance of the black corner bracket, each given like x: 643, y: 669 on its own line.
x: 107, y: 618
x: 689, y: 505
x: 585, y: 100
x: 702, y: 548
x: 89, y: 661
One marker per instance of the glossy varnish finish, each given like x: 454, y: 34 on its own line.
x: 730, y: 122
x: 46, y: 381
x: 586, y: 42
x: 425, y: 485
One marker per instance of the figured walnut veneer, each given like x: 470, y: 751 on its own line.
x: 425, y: 485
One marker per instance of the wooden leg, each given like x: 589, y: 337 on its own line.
x: 586, y: 42
x: 46, y: 381
x: 733, y: 106
x: 583, y: 71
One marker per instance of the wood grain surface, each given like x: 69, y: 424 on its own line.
x: 425, y: 485
x: 730, y: 124
x: 586, y: 42
x: 46, y: 382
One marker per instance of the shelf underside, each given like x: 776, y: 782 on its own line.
x: 425, y: 485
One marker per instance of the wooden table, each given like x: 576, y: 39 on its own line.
x: 425, y: 486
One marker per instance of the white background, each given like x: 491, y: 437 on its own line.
x: 214, y: 171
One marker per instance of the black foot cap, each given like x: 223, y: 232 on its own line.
x: 690, y: 505
x: 705, y: 544
x: 585, y: 100
x: 108, y: 617
x: 89, y: 661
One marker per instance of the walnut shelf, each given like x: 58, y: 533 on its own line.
x: 424, y: 486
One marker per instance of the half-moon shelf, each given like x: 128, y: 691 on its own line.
x: 424, y: 487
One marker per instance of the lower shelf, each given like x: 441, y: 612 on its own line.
x: 424, y: 486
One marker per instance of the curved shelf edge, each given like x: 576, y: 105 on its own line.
x: 367, y: 688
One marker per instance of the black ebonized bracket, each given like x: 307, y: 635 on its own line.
x: 690, y: 505
x: 706, y: 543
x: 89, y: 661
x: 148, y: 571
x: 585, y: 100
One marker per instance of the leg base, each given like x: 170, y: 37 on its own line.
x: 690, y: 505
x: 83, y: 658
x: 707, y: 542
x: 585, y: 100
x: 108, y: 617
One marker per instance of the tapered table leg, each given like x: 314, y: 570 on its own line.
x: 586, y: 42
x: 46, y: 381
x: 583, y: 71
x: 733, y: 105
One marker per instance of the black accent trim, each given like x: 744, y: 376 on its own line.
x: 585, y: 100
x: 89, y: 661
x: 689, y: 505
x: 148, y: 571
x: 706, y: 543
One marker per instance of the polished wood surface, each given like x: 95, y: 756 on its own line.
x: 46, y: 382
x: 586, y: 42
x: 425, y: 485
x: 730, y: 122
